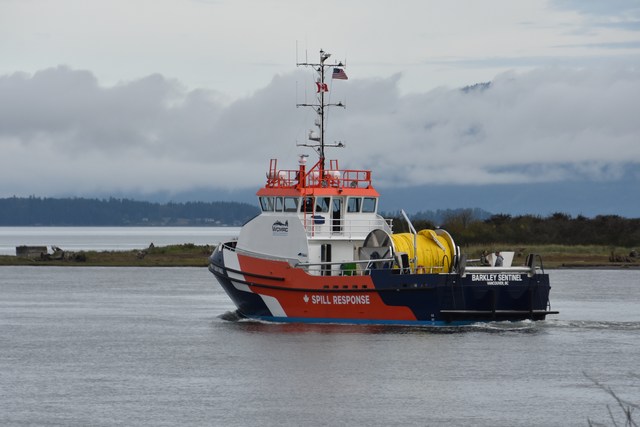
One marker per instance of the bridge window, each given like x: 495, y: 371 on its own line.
x: 291, y: 204
x: 369, y: 204
x: 307, y: 204
x: 279, y: 204
x: 266, y: 203
x: 353, y: 204
x: 322, y: 204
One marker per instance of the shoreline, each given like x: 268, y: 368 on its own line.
x: 191, y: 255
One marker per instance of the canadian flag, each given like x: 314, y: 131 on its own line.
x: 322, y: 87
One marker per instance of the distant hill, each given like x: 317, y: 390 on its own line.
x: 31, y: 211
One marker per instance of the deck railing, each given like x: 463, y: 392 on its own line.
x: 314, y: 177
x: 319, y: 227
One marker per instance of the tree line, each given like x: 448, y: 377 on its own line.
x: 32, y: 211
x: 467, y: 226
x: 557, y: 228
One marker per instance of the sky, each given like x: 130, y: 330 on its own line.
x: 174, y: 97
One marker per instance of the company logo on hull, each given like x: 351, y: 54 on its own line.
x: 280, y: 228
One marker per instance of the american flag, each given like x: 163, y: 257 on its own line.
x: 339, y: 74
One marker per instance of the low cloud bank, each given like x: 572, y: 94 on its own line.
x: 61, y: 132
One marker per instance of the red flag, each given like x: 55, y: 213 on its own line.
x: 322, y: 87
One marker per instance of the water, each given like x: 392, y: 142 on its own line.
x: 149, y: 346
x: 110, y: 238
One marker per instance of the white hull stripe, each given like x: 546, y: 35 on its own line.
x: 274, y: 306
x: 241, y: 286
x: 231, y: 262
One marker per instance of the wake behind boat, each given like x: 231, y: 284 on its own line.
x: 320, y: 252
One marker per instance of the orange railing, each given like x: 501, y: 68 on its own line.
x: 315, y: 177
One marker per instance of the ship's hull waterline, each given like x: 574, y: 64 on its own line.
x: 274, y: 291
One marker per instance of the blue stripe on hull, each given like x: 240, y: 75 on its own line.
x: 360, y: 321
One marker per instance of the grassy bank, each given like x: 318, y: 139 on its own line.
x: 190, y: 255
x: 187, y: 255
x: 559, y: 256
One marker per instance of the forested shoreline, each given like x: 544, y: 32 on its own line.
x: 467, y: 226
x: 557, y: 228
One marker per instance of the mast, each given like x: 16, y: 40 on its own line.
x: 321, y: 86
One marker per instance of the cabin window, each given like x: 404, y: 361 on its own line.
x: 369, y: 204
x: 266, y: 203
x: 353, y: 204
x: 279, y: 204
x: 291, y: 204
x: 322, y: 204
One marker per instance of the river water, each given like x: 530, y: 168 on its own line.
x: 151, y: 346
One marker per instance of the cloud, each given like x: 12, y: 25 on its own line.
x: 542, y: 126
x: 530, y: 62
x: 610, y: 45
x: 61, y: 132
x: 610, y: 8
x: 615, y: 14
x: 145, y: 135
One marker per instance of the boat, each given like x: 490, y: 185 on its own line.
x: 319, y: 252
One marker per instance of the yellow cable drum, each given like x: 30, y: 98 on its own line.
x: 435, y: 250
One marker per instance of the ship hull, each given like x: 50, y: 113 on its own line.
x: 275, y: 291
